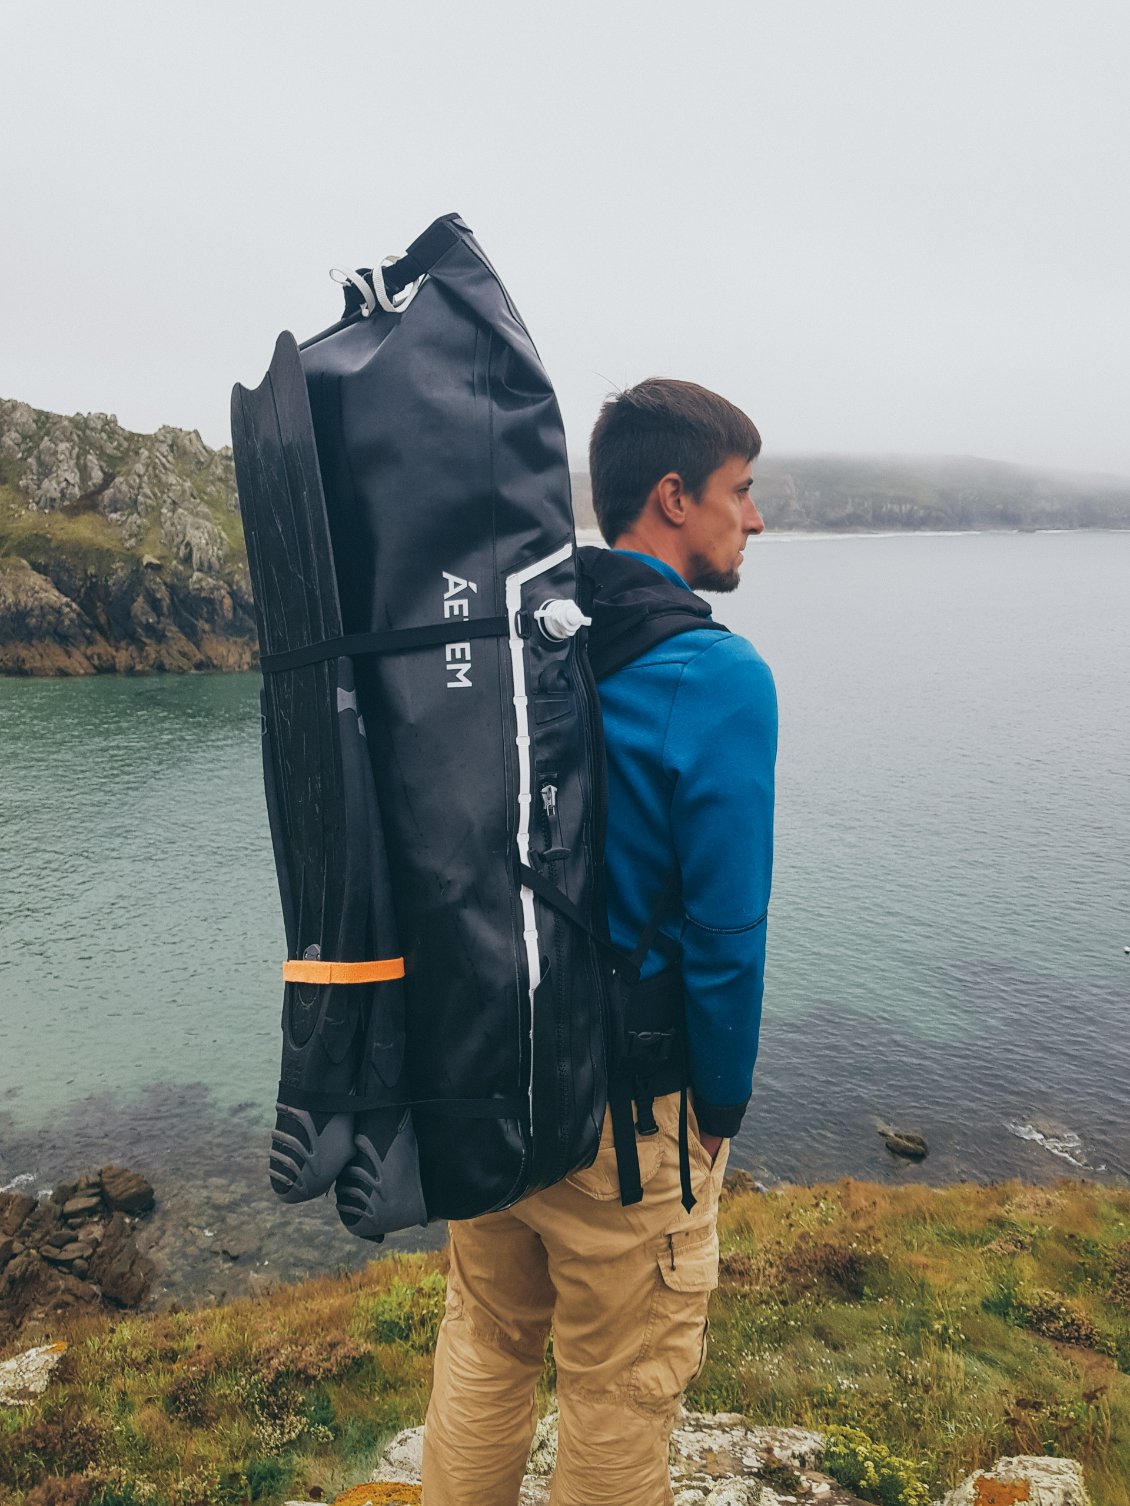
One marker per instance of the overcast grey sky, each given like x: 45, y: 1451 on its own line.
x: 882, y: 225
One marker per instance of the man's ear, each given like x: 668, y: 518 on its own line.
x: 671, y: 498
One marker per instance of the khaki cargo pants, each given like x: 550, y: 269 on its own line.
x: 626, y: 1291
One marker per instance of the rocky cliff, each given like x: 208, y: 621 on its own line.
x: 124, y: 552
x: 118, y: 551
x: 869, y: 494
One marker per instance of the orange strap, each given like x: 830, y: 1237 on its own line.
x: 344, y: 972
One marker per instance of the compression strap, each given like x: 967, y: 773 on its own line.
x: 382, y: 971
x: 504, y: 1107
x: 392, y: 641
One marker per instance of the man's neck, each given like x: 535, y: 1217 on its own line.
x: 645, y: 540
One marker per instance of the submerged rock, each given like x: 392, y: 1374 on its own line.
x: 125, y: 1190
x: 905, y: 1144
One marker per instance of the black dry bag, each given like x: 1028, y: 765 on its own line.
x: 431, y: 750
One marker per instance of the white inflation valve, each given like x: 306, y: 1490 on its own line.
x: 559, y: 620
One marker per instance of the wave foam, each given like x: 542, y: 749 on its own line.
x: 1067, y: 1144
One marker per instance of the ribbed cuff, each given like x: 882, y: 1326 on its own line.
x: 724, y: 1119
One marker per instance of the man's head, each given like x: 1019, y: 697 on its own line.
x: 671, y: 467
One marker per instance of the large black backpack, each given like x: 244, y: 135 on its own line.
x: 433, y: 762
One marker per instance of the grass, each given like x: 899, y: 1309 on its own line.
x: 952, y: 1325
x: 80, y: 535
x: 86, y: 538
x: 929, y: 1330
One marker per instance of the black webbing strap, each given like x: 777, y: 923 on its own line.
x: 354, y: 1103
x: 416, y: 262
x: 391, y: 641
x: 627, y: 966
x: 622, y: 1086
x: 649, y: 936
x: 421, y: 255
x: 624, y: 1139
x: 560, y: 901
x: 472, y: 1108
x: 689, y: 1199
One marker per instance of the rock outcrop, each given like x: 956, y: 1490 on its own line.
x: 716, y: 1460
x: 719, y: 1460
x: 118, y: 551
x: 78, y: 1248
x: 25, y: 1376
x: 1028, y: 1478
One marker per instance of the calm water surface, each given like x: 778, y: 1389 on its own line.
x: 946, y: 934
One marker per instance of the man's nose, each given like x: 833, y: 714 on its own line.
x: 752, y: 522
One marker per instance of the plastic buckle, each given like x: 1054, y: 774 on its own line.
x: 650, y: 1048
x: 645, y: 1117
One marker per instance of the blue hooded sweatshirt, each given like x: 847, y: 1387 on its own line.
x: 690, y: 730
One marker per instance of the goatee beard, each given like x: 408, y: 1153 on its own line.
x: 717, y: 580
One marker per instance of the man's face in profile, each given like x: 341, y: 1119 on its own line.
x: 720, y: 520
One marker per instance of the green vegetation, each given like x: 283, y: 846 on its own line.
x: 139, y: 533
x: 951, y: 1326
x: 87, y: 539
x: 84, y: 491
x: 857, y: 1461
x: 926, y: 1331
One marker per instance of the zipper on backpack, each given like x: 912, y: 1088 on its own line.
x: 556, y: 848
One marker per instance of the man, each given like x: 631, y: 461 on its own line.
x: 690, y: 730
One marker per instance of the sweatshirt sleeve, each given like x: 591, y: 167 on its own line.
x: 719, y: 750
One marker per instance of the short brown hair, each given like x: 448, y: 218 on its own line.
x: 658, y: 426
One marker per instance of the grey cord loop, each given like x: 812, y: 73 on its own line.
x: 399, y: 301
x: 343, y: 278
x: 376, y: 294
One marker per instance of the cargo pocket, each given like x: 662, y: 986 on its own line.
x: 602, y: 1179
x: 674, y: 1349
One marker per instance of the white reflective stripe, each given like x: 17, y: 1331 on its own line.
x: 514, y: 584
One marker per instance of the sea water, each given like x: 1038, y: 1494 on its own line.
x: 946, y: 935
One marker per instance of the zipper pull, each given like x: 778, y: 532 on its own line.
x: 671, y: 1247
x: 556, y: 848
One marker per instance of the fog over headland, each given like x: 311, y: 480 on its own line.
x: 880, y: 228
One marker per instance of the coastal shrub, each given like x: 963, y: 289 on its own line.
x: 855, y: 1460
x: 1118, y: 1293
x: 1055, y: 1317
x: 320, y: 1412
x: 325, y: 1360
x: 59, y: 1441
x: 266, y: 1477
x: 62, y: 1490
x: 360, y: 1435
x: 188, y: 1396
x: 125, y: 1493
x: 824, y: 1264
x: 1046, y: 1313
x: 406, y: 1313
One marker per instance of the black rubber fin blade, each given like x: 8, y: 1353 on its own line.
x: 283, y: 507
x: 296, y: 600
